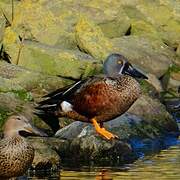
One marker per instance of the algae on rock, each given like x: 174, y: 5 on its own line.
x: 91, y: 40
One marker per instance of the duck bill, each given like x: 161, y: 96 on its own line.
x: 135, y: 73
x: 32, y: 130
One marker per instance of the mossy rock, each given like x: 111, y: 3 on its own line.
x: 152, y: 111
x: 149, y: 54
x: 2, y: 27
x: 51, y: 60
x: 4, y: 113
x: 91, y: 40
x: 116, y: 27
x: 143, y: 28
x: 171, y: 80
x: 148, y: 89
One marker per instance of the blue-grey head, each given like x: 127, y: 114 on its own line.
x: 116, y: 64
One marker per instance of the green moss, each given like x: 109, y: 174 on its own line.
x: 23, y: 95
x: 143, y: 28
x: 91, y: 39
x: 37, y: 60
x: 148, y: 88
x: 3, y: 116
x: 174, y: 68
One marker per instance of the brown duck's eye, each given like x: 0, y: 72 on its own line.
x: 18, y: 118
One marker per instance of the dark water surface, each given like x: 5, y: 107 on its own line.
x: 157, y: 159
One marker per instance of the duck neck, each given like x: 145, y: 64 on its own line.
x: 11, y: 134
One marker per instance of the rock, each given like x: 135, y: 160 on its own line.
x: 171, y: 80
x: 153, y: 112
x: 71, y: 131
x: 19, y: 78
x: 178, y: 50
x: 45, y: 157
x: 149, y: 55
x: 170, y: 33
x: 143, y: 29
x: 163, y: 18
x: 94, y: 150
x: 148, y: 88
x: 116, y: 27
x: 52, y: 61
x: 14, y: 103
x: 91, y: 40
x: 2, y: 27
x: 152, y: 79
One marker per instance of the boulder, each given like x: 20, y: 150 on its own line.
x: 152, y: 56
x: 45, y: 157
x: 91, y: 40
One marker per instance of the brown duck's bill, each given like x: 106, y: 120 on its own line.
x: 134, y: 72
x: 32, y: 130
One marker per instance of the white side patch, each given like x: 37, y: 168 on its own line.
x: 66, y: 107
x: 110, y: 82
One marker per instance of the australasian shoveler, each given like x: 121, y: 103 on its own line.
x: 96, y: 99
x: 16, y: 154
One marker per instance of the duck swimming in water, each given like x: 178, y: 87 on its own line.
x: 96, y: 99
x: 16, y: 154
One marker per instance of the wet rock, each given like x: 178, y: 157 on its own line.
x: 45, y: 157
x: 92, y: 149
x: 150, y: 55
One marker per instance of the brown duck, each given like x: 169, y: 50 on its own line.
x: 95, y: 99
x: 16, y: 154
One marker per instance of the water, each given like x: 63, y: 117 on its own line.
x: 157, y: 159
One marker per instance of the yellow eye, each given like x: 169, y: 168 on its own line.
x: 119, y: 62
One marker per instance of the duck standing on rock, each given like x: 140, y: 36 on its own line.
x: 96, y: 99
x: 16, y: 154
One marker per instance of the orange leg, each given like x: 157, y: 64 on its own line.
x: 103, y: 131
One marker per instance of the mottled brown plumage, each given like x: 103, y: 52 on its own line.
x: 16, y: 154
x: 97, y: 99
x: 106, y: 98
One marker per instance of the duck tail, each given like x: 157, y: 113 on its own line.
x: 47, y: 114
x: 46, y: 109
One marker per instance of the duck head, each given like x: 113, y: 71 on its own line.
x: 116, y: 64
x: 20, y: 125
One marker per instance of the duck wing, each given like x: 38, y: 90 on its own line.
x: 46, y: 109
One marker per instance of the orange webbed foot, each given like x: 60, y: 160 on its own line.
x: 102, y: 131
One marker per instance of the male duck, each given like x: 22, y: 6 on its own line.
x: 16, y: 154
x: 95, y: 99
